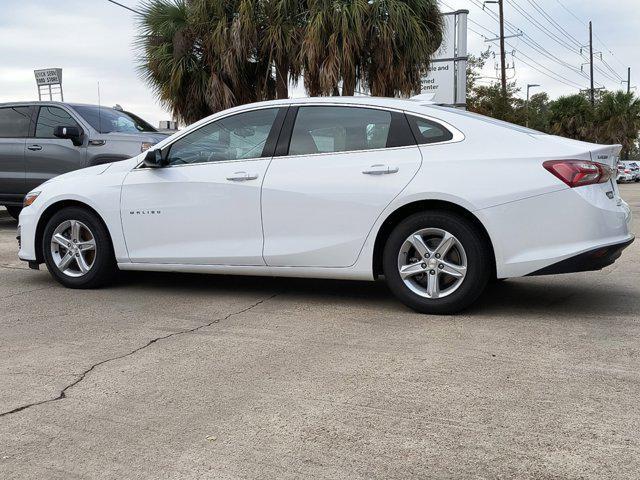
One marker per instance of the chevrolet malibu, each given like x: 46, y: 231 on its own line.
x: 437, y: 201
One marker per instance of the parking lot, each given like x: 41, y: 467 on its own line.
x: 186, y: 376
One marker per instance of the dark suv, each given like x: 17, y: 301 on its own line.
x: 39, y: 140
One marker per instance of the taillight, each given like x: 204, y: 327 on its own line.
x: 578, y: 173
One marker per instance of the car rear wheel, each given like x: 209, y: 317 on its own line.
x: 14, y: 211
x: 437, y: 262
x: 77, y: 249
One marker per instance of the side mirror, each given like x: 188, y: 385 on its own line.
x: 72, y: 133
x: 153, y: 159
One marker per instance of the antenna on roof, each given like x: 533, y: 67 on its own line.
x: 99, y: 111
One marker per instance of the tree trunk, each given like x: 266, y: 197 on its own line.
x: 348, y: 86
x: 282, y: 80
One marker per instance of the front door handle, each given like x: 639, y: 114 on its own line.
x: 34, y: 148
x: 242, y: 176
x: 380, y: 169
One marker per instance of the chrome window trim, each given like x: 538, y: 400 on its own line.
x: 458, y: 136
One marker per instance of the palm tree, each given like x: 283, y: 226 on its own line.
x: 572, y: 116
x: 332, y: 46
x: 202, y: 56
x: 384, y: 45
x: 280, y: 38
x: 401, y: 37
x: 171, y: 59
x: 617, y: 118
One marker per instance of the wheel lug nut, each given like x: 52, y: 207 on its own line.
x: 426, y: 255
x: 437, y: 255
x: 441, y: 266
x: 432, y: 272
x: 424, y: 265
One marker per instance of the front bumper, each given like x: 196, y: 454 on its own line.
x: 595, y: 259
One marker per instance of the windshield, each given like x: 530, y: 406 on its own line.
x: 107, y: 120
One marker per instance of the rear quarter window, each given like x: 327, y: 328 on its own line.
x: 427, y: 131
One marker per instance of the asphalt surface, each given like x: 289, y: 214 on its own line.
x: 186, y: 376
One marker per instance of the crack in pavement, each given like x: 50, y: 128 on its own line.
x: 83, y: 375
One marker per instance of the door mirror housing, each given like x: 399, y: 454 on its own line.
x: 154, y: 159
x: 72, y: 133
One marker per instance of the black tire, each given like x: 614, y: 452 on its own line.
x: 474, y: 243
x: 104, y: 265
x: 14, y: 211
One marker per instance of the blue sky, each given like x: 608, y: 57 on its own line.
x: 92, y: 40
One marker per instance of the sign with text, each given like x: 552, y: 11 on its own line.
x: 48, y: 76
x: 446, y: 79
x: 440, y: 82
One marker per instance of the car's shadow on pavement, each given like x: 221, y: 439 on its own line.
x: 7, y: 222
x: 565, y: 296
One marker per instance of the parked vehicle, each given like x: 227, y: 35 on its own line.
x: 436, y: 200
x: 634, y: 170
x: 624, y: 174
x: 39, y: 140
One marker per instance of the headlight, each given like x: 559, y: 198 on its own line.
x: 30, y: 198
x: 146, y: 146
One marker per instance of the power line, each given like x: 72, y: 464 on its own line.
x: 124, y: 6
x: 555, y: 24
x: 552, y: 75
x: 583, y: 23
x: 534, y: 45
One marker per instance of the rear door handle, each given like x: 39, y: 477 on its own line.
x: 242, y: 176
x: 34, y: 148
x: 380, y: 169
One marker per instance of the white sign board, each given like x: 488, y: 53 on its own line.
x: 440, y: 82
x: 48, y: 76
x: 446, y: 78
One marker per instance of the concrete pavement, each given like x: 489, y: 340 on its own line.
x: 186, y: 376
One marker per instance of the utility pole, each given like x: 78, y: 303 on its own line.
x: 503, y: 64
x: 592, y: 91
x: 503, y: 60
x: 629, y: 80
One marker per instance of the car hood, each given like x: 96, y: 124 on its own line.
x: 114, y: 167
x: 150, y: 137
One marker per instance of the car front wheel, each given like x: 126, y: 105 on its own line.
x: 77, y: 249
x: 437, y: 262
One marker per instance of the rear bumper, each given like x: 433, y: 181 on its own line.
x: 537, y: 232
x: 595, y: 259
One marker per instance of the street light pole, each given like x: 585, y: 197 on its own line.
x: 529, y: 85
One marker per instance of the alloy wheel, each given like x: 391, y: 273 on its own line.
x: 73, y: 248
x: 432, y: 263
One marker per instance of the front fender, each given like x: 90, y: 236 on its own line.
x: 100, y: 193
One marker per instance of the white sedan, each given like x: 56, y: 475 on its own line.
x: 438, y: 201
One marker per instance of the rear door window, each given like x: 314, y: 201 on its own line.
x: 14, y: 122
x: 339, y: 129
x: 51, y: 117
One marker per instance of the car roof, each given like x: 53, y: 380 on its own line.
x: 389, y: 102
x: 49, y: 102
